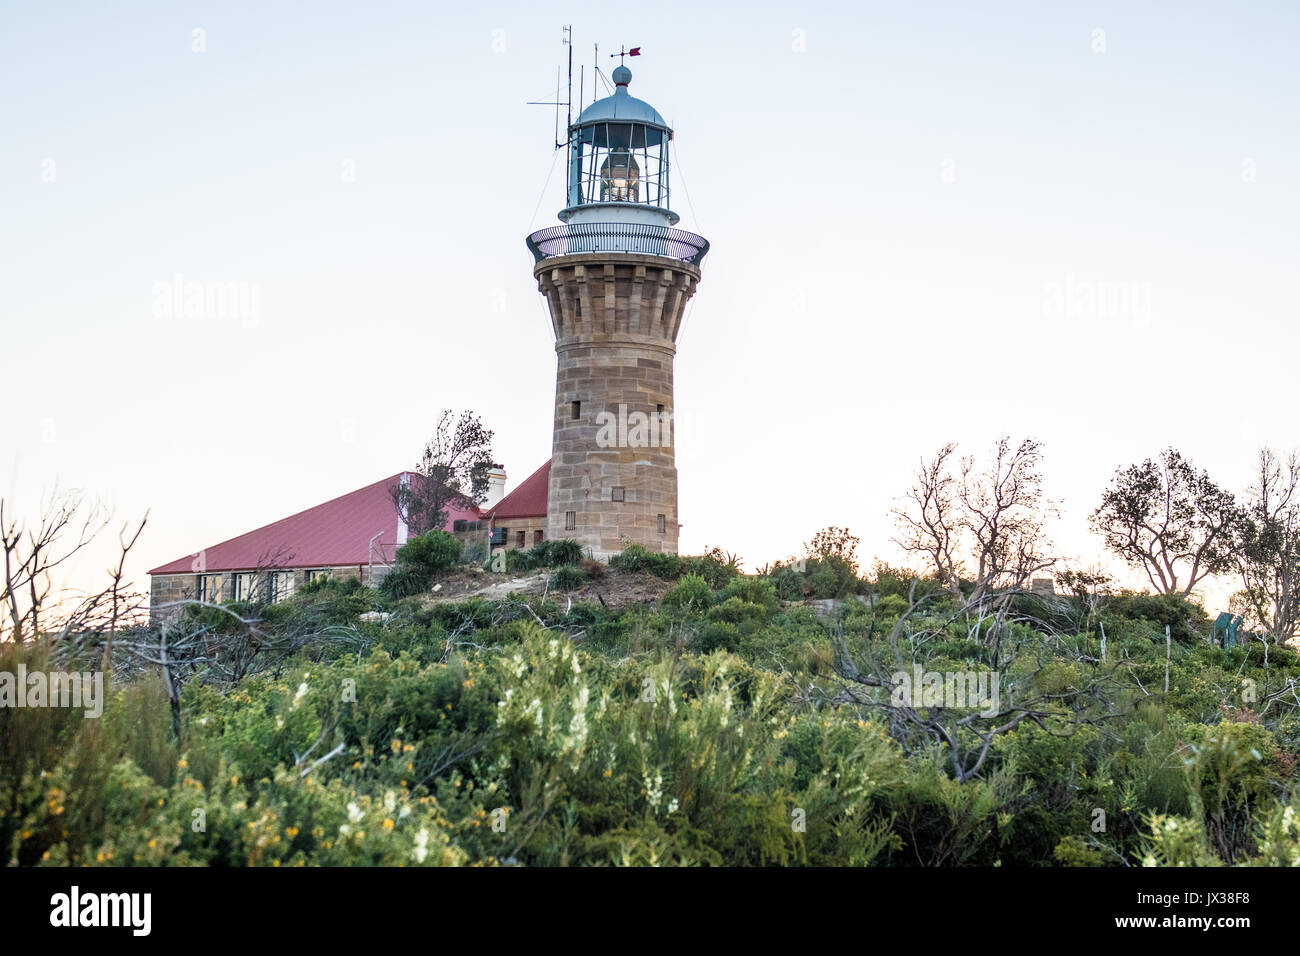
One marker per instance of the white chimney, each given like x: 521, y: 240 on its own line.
x: 496, y: 488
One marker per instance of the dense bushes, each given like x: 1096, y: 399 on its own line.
x: 419, y: 560
x: 567, y: 577
x: 828, y: 576
x: 715, y: 567
x: 562, y: 552
x: 708, y: 730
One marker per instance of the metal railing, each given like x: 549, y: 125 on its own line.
x: 639, y: 238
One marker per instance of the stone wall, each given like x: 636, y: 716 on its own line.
x: 529, y: 526
x: 616, y: 317
x: 169, y: 588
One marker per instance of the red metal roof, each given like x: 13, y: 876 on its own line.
x: 332, y: 534
x: 526, y: 501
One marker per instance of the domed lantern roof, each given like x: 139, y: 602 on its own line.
x: 622, y: 106
x: 618, y: 161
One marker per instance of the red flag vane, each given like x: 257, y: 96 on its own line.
x: 635, y: 51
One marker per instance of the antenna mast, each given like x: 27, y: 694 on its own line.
x: 568, y: 99
x: 566, y: 40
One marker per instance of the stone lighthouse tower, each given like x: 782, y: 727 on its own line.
x: 616, y: 277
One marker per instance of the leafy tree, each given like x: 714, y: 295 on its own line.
x: 836, y: 543
x: 1170, y: 519
x: 454, y: 468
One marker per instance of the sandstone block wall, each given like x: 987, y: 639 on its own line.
x: 616, y: 317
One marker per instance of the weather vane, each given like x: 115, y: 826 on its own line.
x: 635, y: 51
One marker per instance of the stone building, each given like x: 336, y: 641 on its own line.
x: 616, y: 278
x: 519, y: 519
x: 353, y: 536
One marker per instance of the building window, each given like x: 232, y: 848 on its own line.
x: 523, y: 539
x: 663, y: 524
x: 280, y: 586
x: 575, y: 410
x: 537, y: 538
x: 618, y: 493
x: 318, y: 575
x: 570, y: 520
x: 659, y: 409
x: 208, y: 588
x: 245, y: 583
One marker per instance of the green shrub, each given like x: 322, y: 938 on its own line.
x: 559, y: 553
x: 405, y: 580
x: 831, y: 577
x: 567, y: 578
x: 753, y: 591
x: 691, y: 595
x: 636, y: 557
x: 433, y: 551
x: 418, y: 561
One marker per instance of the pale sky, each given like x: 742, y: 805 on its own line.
x: 930, y: 222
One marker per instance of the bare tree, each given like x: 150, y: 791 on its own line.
x: 929, y: 524
x: 1004, y: 513
x: 32, y: 556
x: 988, y: 521
x: 1268, y: 550
x: 453, y: 469
x: 1171, y: 520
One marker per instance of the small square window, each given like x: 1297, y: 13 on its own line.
x: 575, y: 410
x: 659, y: 409
x: 570, y: 520
x: 618, y: 493
x: 663, y: 524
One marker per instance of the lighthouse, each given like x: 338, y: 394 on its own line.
x: 616, y: 277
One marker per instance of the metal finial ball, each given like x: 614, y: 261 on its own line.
x: 622, y: 76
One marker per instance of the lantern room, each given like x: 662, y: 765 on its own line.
x: 618, y: 161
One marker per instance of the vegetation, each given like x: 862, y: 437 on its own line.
x: 453, y: 470
x: 723, y: 726
x: 809, y: 714
x: 419, y: 561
